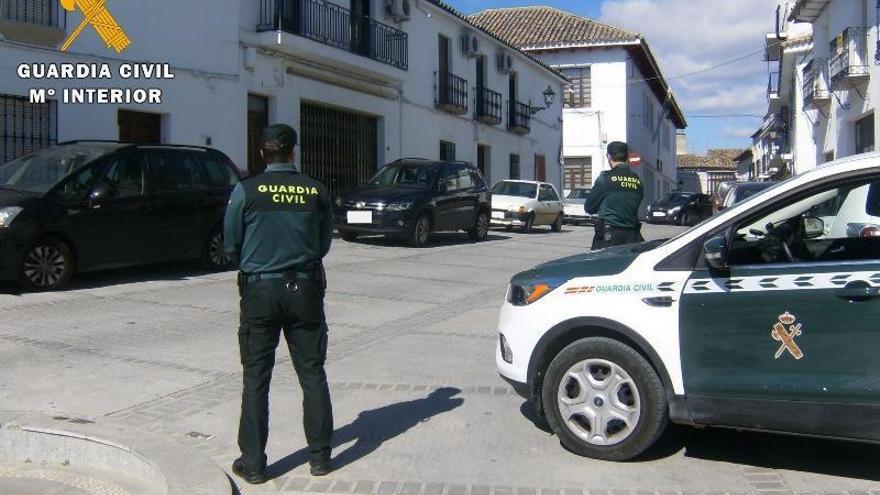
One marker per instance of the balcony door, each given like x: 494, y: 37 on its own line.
x: 511, y: 91
x: 443, y: 53
x: 360, y: 26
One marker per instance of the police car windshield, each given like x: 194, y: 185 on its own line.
x: 417, y: 176
x: 520, y: 189
x: 578, y: 194
x: 41, y: 171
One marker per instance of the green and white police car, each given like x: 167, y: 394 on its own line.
x: 763, y: 317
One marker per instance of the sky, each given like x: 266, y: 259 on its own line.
x: 688, y: 36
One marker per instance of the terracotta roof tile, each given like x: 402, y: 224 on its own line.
x: 723, y: 159
x: 528, y: 27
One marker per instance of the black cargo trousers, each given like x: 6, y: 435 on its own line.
x: 268, y: 307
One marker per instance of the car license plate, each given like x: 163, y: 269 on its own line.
x: 498, y: 214
x: 360, y: 217
x: 659, y: 214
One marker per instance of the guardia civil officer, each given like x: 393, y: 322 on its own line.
x: 278, y: 227
x: 615, y: 199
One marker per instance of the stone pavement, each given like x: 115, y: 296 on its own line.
x: 419, y: 408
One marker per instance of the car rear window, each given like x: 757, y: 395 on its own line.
x: 217, y: 172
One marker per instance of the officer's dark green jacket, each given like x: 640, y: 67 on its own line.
x: 616, y: 196
x: 279, y: 220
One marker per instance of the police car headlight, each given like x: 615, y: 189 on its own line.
x: 8, y: 214
x: 401, y: 206
x: 525, y: 294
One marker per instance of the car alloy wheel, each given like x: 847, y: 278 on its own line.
x: 48, y: 265
x: 604, y: 400
x: 481, y: 229
x: 214, y: 256
x: 599, y: 402
x: 557, y: 225
x: 421, y: 231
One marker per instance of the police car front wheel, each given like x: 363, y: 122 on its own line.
x: 604, y: 400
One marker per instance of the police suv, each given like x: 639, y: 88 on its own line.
x: 763, y: 317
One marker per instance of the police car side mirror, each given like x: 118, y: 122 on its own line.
x: 813, y: 227
x: 715, y: 251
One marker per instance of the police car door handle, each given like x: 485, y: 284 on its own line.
x: 659, y: 302
x: 858, y: 290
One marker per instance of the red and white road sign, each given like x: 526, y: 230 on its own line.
x: 635, y: 159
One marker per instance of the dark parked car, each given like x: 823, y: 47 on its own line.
x: 680, y: 208
x: 412, y: 198
x: 89, y: 205
x: 742, y: 190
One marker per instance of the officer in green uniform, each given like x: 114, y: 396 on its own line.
x: 615, y: 200
x: 278, y: 227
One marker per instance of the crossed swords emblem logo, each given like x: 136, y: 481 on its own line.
x: 95, y: 13
x: 786, y: 335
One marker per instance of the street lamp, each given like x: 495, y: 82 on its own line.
x: 549, y: 94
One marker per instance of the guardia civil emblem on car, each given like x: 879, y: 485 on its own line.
x: 785, y: 331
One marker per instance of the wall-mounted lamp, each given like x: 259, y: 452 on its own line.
x: 549, y: 95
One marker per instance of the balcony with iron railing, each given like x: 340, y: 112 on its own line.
x: 330, y: 24
x: 39, y: 22
x: 519, y: 118
x: 451, y: 93
x: 488, y: 106
x: 851, y: 59
x: 815, y: 86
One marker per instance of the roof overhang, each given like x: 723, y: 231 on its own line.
x: 643, y: 58
x: 807, y: 10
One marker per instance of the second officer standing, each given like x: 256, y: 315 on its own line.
x: 278, y: 227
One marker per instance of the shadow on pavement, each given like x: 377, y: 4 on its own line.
x: 374, y: 427
x: 758, y: 449
x: 172, y: 271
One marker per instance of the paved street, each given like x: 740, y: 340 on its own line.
x: 419, y: 408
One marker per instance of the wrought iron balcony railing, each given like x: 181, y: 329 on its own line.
x: 815, y: 86
x: 452, y: 93
x: 40, y: 12
x: 852, y: 58
x: 519, y: 117
x: 488, y: 106
x: 330, y: 24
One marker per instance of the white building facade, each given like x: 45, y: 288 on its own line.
x: 820, y: 95
x: 364, y: 83
x: 617, y: 92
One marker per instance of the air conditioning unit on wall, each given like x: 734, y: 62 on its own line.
x: 470, y: 45
x: 504, y: 62
x: 397, y: 10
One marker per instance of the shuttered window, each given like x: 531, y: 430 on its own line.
x: 578, y: 93
x: 578, y: 172
x: 25, y: 128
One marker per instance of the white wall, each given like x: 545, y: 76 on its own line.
x: 208, y: 98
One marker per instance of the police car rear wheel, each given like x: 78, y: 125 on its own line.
x: 47, y: 265
x: 604, y: 400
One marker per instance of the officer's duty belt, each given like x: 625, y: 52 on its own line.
x: 256, y: 277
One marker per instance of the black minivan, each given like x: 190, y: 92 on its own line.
x: 411, y: 198
x: 90, y: 205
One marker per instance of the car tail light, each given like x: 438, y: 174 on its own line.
x: 870, y: 231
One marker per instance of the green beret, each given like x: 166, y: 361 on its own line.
x: 279, y: 137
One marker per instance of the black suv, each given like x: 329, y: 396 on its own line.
x: 680, y: 208
x: 90, y: 205
x: 411, y: 198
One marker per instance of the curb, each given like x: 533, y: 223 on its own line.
x: 172, y: 468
